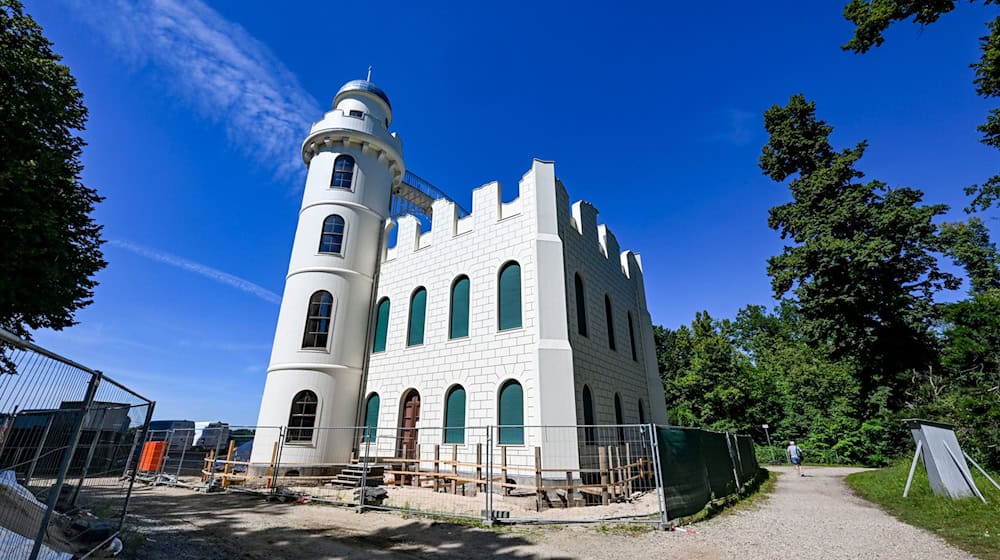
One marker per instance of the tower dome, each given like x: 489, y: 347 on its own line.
x: 365, y: 86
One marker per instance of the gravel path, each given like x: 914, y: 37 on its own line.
x: 809, y: 517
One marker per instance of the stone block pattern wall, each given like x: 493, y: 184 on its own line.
x: 476, y: 246
x: 592, y: 251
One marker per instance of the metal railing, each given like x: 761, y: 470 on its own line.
x: 69, y: 438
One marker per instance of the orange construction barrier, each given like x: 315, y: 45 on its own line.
x: 152, y: 456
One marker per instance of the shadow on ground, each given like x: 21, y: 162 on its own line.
x: 180, y: 524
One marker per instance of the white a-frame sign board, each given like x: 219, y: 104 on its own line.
x: 947, y: 469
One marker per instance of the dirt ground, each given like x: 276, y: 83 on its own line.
x: 811, y: 517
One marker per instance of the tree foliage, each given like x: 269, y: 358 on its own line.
x: 872, y: 18
x: 862, y: 259
x: 49, y: 244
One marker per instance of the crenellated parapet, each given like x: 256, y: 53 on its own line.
x: 488, y: 209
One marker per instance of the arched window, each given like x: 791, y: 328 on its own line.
x: 371, y: 417
x: 510, y: 296
x: 642, y: 413
x: 581, y: 306
x: 318, y: 320
x: 458, y: 326
x: 588, y: 416
x: 418, y: 312
x: 381, y: 326
x: 511, y: 413
x: 343, y: 172
x: 454, y: 415
x: 631, y: 335
x: 610, y: 317
x: 619, y: 419
x: 332, y: 239
x: 302, y: 417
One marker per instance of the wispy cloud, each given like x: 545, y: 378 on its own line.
x: 215, y: 66
x: 213, y: 274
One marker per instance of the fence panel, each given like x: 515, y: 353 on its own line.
x: 575, y: 473
x: 68, y: 443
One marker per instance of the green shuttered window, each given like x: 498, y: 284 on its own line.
x: 459, y: 324
x: 371, y: 417
x: 381, y: 326
x: 510, y: 296
x: 511, y: 414
x: 418, y: 312
x: 454, y: 416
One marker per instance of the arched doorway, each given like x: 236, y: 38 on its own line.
x: 408, y: 417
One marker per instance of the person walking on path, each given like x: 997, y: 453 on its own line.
x: 794, y: 455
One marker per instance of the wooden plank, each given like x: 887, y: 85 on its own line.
x: 628, y: 467
x: 538, y: 479
x: 602, y: 456
x: 229, y: 457
x: 479, y: 464
x: 503, y: 462
x: 569, y: 489
x: 437, y: 465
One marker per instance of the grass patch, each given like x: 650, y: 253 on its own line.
x: 750, y: 496
x: 967, y: 524
x: 624, y: 529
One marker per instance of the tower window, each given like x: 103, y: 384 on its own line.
x: 343, y: 172
x: 459, y: 320
x: 588, y: 416
x: 371, y: 418
x: 619, y: 418
x: 610, y: 318
x: 510, y: 296
x: 302, y: 417
x: 381, y: 326
x: 581, y: 305
x: 357, y: 114
x: 332, y: 239
x: 318, y: 320
x: 418, y: 313
x: 511, y: 414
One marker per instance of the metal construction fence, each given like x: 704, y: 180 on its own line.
x: 525, y: 474
x: 69, y: 441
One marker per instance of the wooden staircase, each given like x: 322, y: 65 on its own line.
x: 351, y: 476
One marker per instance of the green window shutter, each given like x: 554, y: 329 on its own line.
x: 511, y: 414
x: 460, y: 309
x: 418, y: 311
x: 510, y: 296
x: 381, y: 326
x: 454, y: 413
x: 371, y: 417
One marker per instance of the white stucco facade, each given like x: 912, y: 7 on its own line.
x: 550, y: 240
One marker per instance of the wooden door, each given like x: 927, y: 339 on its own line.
x: 408, y: 425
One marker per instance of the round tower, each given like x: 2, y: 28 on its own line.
x: 320, y: 343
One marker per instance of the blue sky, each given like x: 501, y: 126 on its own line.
x: 651, y: 112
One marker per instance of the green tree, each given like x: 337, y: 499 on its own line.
x: 862, y: 258
x: 968, y: 244
x: 872, y: 17
x: 49, y: 244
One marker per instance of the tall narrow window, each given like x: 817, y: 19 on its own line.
x: 454, y: 415
x: 343, y: 172
x: 511, y: 414
x: 371, y: 417
x: 581, y: 306
x: 318, y: 320
x: 418, y: 311
x: 588, y: 416
x: 642, y: 413
x: 332, y: 239
x: 510, y: 296
x: 381, y: 326
x: 459, y: 321
x: 610, y: 318
x: 619, y: 419
x: 302, y: 417
x: 631, y: 335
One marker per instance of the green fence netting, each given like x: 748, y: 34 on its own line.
x: 699, y: 466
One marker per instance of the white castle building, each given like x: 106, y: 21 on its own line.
x: 524, y: 313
